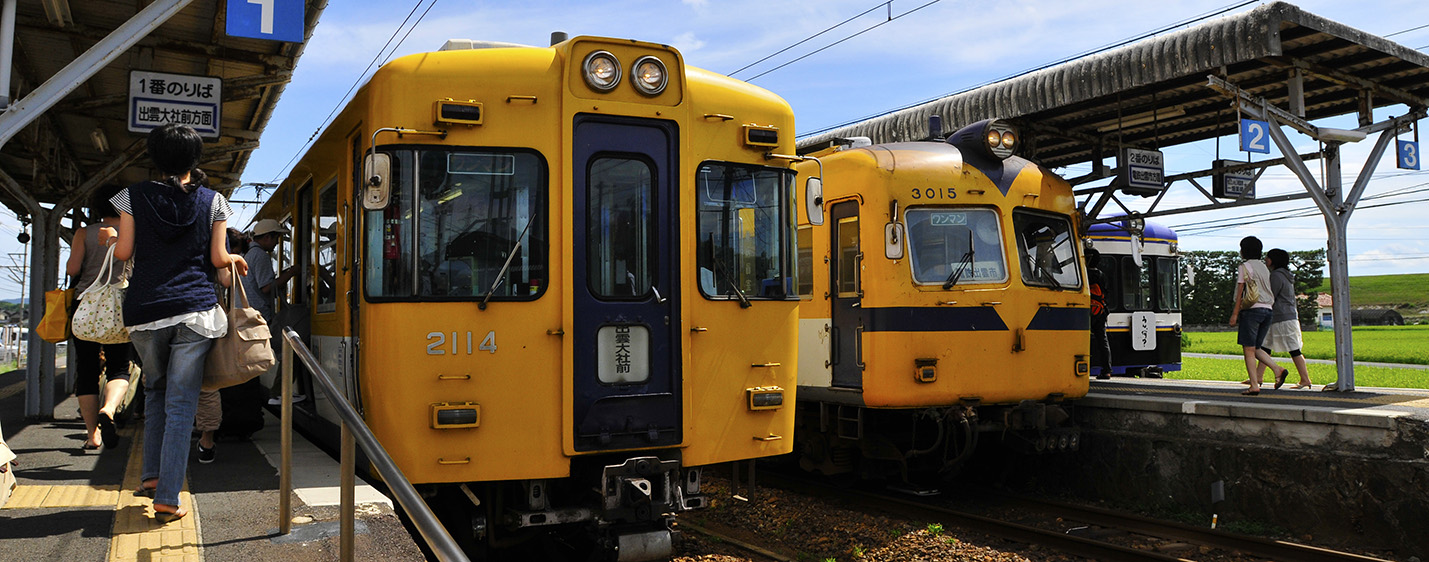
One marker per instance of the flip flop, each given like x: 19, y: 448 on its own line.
x: 146, y: 491
x: 87, y: 446
x: 107, y: 433
x: 1251, y: 393
x: 167, y: 516
x: 1280, y: 378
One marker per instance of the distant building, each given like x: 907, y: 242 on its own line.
x: 1375, y: 317
x: 1326, y: 313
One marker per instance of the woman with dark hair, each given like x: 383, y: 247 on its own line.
x: 1284, y: 333
x: 1254, y: 320
x: 87, y: 252
x: 177, y: 232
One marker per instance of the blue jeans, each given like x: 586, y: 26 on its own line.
x: 173, y: 373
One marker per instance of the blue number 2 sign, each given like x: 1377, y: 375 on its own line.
x: 1254, y: 136
x: 279, y: 20
x: 1409, y: 155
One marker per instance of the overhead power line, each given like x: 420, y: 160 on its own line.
x: 825, y: 47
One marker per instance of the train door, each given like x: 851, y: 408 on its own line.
x: 627, y: 364
x: 845, y: 292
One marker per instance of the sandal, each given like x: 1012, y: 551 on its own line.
x: 87, y: 446
x: 167, y: 516
x: 147, y: 491
x: 1280, y: 378
x: 1300, y: 386
x: 107, y: 433
x: 1251, y: 393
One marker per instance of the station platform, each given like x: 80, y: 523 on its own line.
x: 73, y: 504
x: 1223, y: 398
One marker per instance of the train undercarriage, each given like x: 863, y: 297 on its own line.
x: 923, y: 446
x: 612, y: 508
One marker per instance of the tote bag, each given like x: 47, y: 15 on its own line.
x: 1251, y: 293
x: 54, y: 325
x: 245, y: 351
x: 100, y: 316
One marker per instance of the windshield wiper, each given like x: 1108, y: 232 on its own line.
x: 502, y: 274
x: 1042, y: 268
x: 964, y: 262
x: 723, y: 272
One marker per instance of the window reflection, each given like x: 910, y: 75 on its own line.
x: 745, y: 227
x: 955, y: 244
x: 1046, y: 250
x: 619, y: 228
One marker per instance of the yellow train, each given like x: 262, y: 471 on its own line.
x: 555, y: 281
x: 943, y: 295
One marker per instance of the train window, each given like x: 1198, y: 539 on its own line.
x: 847, y: 235
x: 1135, y: 285
x: 325, y: 246
x: 745, y: 218
x: 960, y: 245
x: 805, y: 274
x: 452, y: 224
x: 1046, y: 250
x: 1168, y: 286
x: 620, y: 231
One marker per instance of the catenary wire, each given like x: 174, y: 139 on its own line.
x: 821, y: 49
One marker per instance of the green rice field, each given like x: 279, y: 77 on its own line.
x: 1379, y: 344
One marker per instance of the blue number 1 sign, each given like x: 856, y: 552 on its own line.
x: 279, y: 20
x: 1255, y: 136
x: 1408, y: 155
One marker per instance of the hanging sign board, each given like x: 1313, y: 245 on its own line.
x: 1233, y: 185
x: 157, y: 99
x: 1408, y: 155
x: 1254, y: 136
x: 1143, y: 172
x: 279, y: 20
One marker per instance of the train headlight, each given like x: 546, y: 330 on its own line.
x: 765, y: 397
x: 925, y: 370
x: 649, y: 75
x: 992, y: 138
x: 1009, y: 140
x: 602, y: 71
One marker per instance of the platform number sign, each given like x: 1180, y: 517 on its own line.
x: 1255, y: 136
x: 1409, y: 155
x: 279, y: 20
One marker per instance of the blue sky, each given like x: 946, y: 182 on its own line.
x: 928, y: 49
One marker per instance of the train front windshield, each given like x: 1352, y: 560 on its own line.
x: 955, y: 246
x: 453, y: 219
x: 746, y: 227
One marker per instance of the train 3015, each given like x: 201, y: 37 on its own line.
x: 943, y: 297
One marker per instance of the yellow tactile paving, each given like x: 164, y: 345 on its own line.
x: 62, y: 496
x: 137, y: 536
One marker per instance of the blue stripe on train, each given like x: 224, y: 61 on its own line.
x: 1058, y: 318
x: 926, y: 319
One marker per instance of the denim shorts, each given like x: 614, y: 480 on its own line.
x: 1254, y: 325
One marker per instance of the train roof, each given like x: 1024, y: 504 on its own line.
x: 1153, y: 231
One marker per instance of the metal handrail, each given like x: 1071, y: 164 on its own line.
x: 353, y: 428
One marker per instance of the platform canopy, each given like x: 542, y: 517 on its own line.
x: 1154, y: 93
x: 83, y: 140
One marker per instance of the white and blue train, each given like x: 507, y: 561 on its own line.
x: 1143, y: 296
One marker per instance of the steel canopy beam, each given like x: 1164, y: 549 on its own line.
x: 77, y: 72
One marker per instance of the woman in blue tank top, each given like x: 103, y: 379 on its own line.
x: 176, y: 232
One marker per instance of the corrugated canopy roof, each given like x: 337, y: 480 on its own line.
x: 1111, y: 97
x: 58, y: 152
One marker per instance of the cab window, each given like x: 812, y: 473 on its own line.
x: 959, y: 246
x: 745, y: 224
x: 1046, y: 250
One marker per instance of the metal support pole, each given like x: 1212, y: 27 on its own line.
x: 285, y: 468
x: 7, y: 50
x: 1337, y: 225
x: 44, y: 272
x: 348, y: 525
x: 80, y: 69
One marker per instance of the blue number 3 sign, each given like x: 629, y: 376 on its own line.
x: 1408, y: 155
x: 279, y: 20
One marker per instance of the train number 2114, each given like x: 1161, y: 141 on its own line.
x: 436, y: 342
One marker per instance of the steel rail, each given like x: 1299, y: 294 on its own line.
x: 353, y: 429
x: 1061, y: 542
x: 1258, y: 546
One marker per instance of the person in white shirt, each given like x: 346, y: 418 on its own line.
x: 1253, y: 319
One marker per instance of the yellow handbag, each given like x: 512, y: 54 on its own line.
x: 54, y: 326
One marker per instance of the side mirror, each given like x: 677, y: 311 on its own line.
x: 814, y: 201
x: 893, y: 241
x: 377, y: 168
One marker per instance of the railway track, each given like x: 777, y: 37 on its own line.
x: 1094, y: 525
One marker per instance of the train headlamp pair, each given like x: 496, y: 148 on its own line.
x: 602, y: 73
x: 993, y: 138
